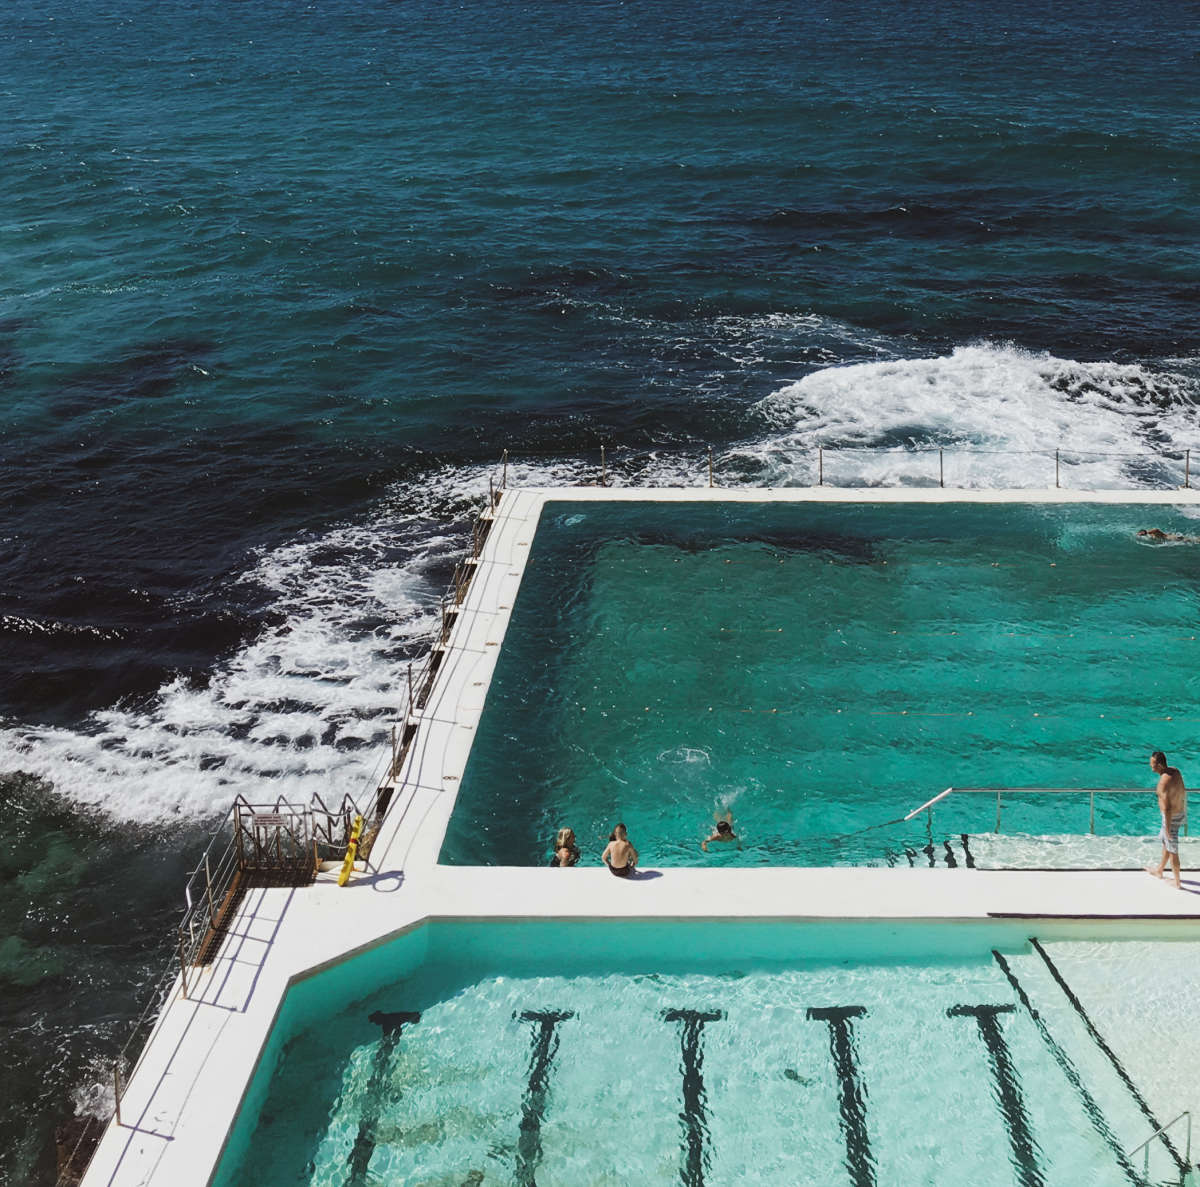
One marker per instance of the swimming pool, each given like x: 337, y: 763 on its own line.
x: 821, y: 669
x: 861, y: 1053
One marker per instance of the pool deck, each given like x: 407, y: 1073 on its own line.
x: 188, y: 1085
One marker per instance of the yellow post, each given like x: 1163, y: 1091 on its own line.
x: 351, y: 852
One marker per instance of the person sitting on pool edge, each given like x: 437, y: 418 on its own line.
x: 566, y: 851
x: 619, y: 855
x: 724, y: 830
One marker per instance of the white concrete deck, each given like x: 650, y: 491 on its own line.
x: 188, y: 1085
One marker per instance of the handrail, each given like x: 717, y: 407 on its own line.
x: 929, y: 803
x: 700, y: 460
x: 1090, y: 792
x: 1160, y: 1132
x: 999, y: 792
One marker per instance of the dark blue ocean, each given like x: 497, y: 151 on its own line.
x: 281, y: 280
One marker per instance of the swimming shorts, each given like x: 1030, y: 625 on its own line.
x: 1170, y: 836
x: 621, y: 871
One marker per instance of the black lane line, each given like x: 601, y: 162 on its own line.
x: 695, y: 1121
x: 967, y: 852
x: 950, y: 859
x: 533, y: 1106
x: 1093, y: 1110
x: 852, y: 1095
x: 1012, y: 1103
x: 1126, y: 1079
x: 364, y: 1142
x: 931, y: 853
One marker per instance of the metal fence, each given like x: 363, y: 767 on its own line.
x: 1001, y: 792
x: 822, y: 464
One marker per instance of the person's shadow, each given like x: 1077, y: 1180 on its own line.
x: 644, y: 875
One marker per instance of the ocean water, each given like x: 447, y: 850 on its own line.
x: 280, y: 281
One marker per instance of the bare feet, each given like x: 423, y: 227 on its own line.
x: 1153, y: 872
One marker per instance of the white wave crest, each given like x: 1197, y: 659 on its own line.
x: 305, y: 707
x: 999, y: 412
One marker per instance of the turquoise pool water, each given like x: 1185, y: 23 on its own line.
x: 823, y: 669
x: 711, y: 1054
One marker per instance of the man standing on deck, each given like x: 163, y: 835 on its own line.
x: 1172, y: 803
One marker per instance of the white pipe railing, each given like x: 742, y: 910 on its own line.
x: 1161, y: 1132
x: 1090, y: 792
x: 928, y: 805
x: 627, y: 464
x: 1000, y: 792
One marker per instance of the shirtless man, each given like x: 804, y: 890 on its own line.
x: 722, y: 832
x: 1172, y: 803
x: 620, y: 856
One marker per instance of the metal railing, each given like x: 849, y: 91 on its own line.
x: 702, y: 466
x: 1161, y: 1132
x: 1000, y: 792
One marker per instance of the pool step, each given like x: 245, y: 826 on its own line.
x: 992, y: 851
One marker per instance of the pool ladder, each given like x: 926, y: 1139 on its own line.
x: 1189, y: 1175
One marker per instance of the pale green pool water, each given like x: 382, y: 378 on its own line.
x: 716, y: 1054
x: 822, y: 669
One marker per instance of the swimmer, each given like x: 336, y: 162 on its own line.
x: 723, y: 832
x: 619, y: 855
x: 1161, y: 537
x: 566, y: 851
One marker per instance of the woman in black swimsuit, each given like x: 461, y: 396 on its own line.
x: 619, y: 855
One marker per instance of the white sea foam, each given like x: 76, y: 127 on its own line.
x: 303, y: 708
x: 1012, y: 409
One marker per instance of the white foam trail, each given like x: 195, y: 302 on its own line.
x: 985, y: 398
x: 686, y: 756
x: 303, y: 708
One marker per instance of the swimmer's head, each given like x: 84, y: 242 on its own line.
x: 723, y: 826
x: 619, y: 833
x: 565, y: 839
